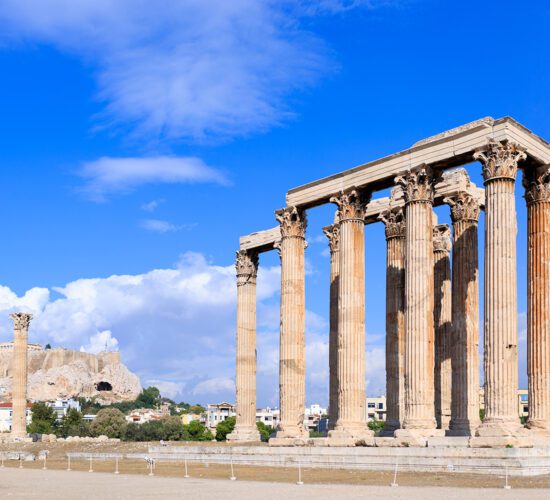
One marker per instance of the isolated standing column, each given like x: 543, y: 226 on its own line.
x: 19, y: 391
x: 395, y: 320
x: 442, y: 324
x: 500, y: 164
x: 333, y: 234
x: 418, y: 190
x: 537, y: 195
x: 247, y: 270
x: 351, y: 423
x: 292, y: 382
x: 465, y: 212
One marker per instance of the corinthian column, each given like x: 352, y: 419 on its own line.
x: 395, y: 323
x: 351, y: 424
x: 419, y: 304
x: 19, y: 391
x: 333, y: 235
x: 500, y: 164
x: 537, y: 195
x: 247, y: 269
x: 442, y: 324
x: 292, y: 382
x: 465, y: 351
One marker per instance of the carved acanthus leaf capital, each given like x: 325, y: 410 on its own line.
x: 500, y: 160
x: 293, y: 222
x: 442, y: 238
x: 537, y: 184
x: 21, y: 321
x: 352, y: 204
x: 246, y: 265
x: 464, y: 207
x: 417, y: 184
x: 332, y: 232
x: 395, y: 222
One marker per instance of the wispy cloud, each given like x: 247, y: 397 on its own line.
x: 107, y: 176
x: 151, y: 206
x: 163, y: 226
x: 185, y: 69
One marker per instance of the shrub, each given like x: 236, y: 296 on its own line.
x: 196, y: 431
x: 43, y: 419
x: 265, y: 431
x: 109, y: 422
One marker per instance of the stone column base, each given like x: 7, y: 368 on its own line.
x: 462, y: 428
x: 539, y: 426
x: 389, y: 428
x: 244, y: 434
x: 357, y: 435
x: 417, y: 437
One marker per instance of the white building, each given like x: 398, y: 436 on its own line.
x: 62, y: 406
x: 142, y: 415
x: 269, y: 416
x: 218, y: 413
x: 375, y: 408
x: 6, y: 414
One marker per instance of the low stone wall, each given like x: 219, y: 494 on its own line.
x: 514, y: 461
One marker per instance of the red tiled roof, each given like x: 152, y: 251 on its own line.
x: 9, y: 405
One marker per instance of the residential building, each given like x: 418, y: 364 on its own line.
x: 218, y: 413
x: 142, y: 415
x: 375, y: 408
x: 6, y: 414
x: 269, y: 416
x: 62, y: 406
x: 187, y: 418
x: 312, y: 416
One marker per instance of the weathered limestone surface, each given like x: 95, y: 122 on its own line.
x: 64, y: 373
x: 442, y: 325
x: 245, y: 381
x: 292, y: 382
x: 465, y: 212
x: 395, y: 319
x: 333, y: 235
x: 21, y: 323
x: 537, y: 195
x: 500, y: 164
x: 351, y: 424
x: 419, y: 300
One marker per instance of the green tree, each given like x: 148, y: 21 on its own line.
x: 481, y: 414
x: 47, y: 347
x: 376, y: 425
x: 109, y: 422
x: 265, y: 431
x: 224, y: 428
x: 43, y: 419
x: 196, y: 431
x: 197, y: 409
x: 72, y: 424
x: 148, y: 398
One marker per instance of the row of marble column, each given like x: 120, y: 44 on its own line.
x: 432, y: 315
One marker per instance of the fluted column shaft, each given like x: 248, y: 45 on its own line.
x: 245, y: 381
x: 465, y: 212
x: 292, y: 382
x: 501, y: 338
x: 442, y: 325
x: 351, y: 422
x: 537, y: 195
x: 333, y: 234
x: 395, y: 320
x: 19, y: 390
x: 419, y: 301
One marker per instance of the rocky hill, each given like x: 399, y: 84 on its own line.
x: 63, y: 374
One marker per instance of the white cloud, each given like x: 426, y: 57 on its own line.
x: 215, y: 386
x: 184, y: 69
x: 101, y: 341
x: 160, y: 226
x: 152, y: 206
x: 167, y: 388
x: 106, y: 176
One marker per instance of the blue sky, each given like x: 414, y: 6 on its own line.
x: 140, y: 139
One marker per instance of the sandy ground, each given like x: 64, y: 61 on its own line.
x: 35, y: 483
x: 57, y: 461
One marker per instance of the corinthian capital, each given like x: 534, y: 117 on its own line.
x: 500, y: 160
x: 351, y: 204
x: 246, y: 266
x: 333, y: 234
x: 537, y: 184
x: 21, y: 321
x: 417, y: 185
x: 464, y: 207
x: 442, y: 238
x: 395, y: 222
x: 293, y: 222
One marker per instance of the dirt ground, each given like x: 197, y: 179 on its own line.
x: 57, y: 460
